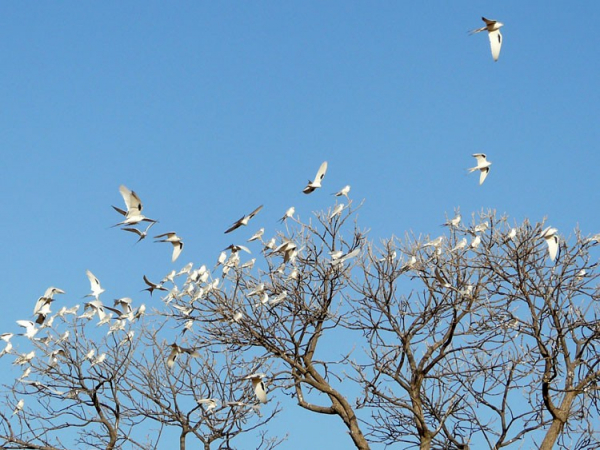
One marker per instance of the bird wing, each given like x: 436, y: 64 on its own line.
x: 488, y: 21
x: 177, y: 248
x: 236, y: 225
x: 495, y: 42
x: 483, y: 174
x: 552, y: 246
x: 255, y: 212
x: 132, y: 201
x: 321, y: 173
x: 95, y: 284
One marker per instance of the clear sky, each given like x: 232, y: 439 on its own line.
x: 209, y: 109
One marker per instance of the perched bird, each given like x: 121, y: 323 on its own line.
x: 95, y: 285
x: 243, y: 221
x: 210, y: 403
x: 176, y: 350
x: 336, y: 211
x: 454, y: 222
x: 173, y: 239
x: 19, y: 406
x: 258, y: 385
x: 462, y: 244
x: 511, y: 235
x: 133, y: 215
x: 435, y: 243
x: 316, y: 183
x: 257, y: 235
x: 549, y: 234
x: 483, y: 165
x: 141, y: 234
x: 476, y: 241
x: 344, y: 191
x: 24, y: 358
x: 493, y: 29
x: 288, y: 214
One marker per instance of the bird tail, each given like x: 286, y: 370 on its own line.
x: 477, y: 30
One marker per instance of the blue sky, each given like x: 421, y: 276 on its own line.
x: 209, y: 109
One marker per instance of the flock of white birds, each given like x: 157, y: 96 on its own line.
x: 122, y: 311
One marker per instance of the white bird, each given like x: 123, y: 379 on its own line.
x: 462, y: 244
x: 276, y: 300
x: 511, y: 235
x: 476, y: 241
x: 243, y: 221
x: 42, y: 306
x: 236, y: 248
x: 549, y: 234
x: 412, y: 262
x: 316, y: 183
x: 435, y: 243
x: 24, y: 358
x: 19, y: 406
x: 172, y: 238
x: 336, y: 211
x: 30, y: 329
x: 257, y: 235
x: 176, y: 350
x: 99, y: 360
x: 493, y: 29
x: 483, y: 165
x: 480, y: 228
x: 258, y: 385
x: 210, y: 403
x: 344, y: 191
x: 288, y: 214
x: 95, y: 285
x: 6, y: 338
x: 454, y: 222
x: 25, y: 374
x: 133, y: 215
x: 141, y: 234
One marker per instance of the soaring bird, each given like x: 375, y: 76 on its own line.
x: 316, y: 183
x: 176, y: 350
x: 258, y: 385
x: 173, y: 239
x: 153, y: 286
x: 243, y: 221
x: 483, y: 165
x: 30, y: 329
x: 133, y: 215
x: 141, y: 234
x: 493, y: 29
x: 549, y: 234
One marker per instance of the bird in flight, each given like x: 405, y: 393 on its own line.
x: 316, y: 183
x: 141, y: 234
x: 483, y: 165
x: 95, y: 285
x: 258, y: 385
x: 133, y: 215
x: 176, y: 350
x: 173, y: 239
x: 493, y: 29
x: 288, y: 214
x: 243, y: 221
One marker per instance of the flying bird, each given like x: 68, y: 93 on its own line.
x: 133, y: 215
x: 483, y: 165
x: 30, y: 329
x: 344, y: 191
x: 243, y: 221
x: 210, y: 403
x: 141, y: 234
x: 258, y: 385
x: 95, y: 285
x: 176, y: 350
x: 493, y: 29
x: 549, y: 234
x: 316, y: 183
x: 173, y: 239
x: 153, y: 286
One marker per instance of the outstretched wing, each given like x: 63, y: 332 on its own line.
x: 495, y: 42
